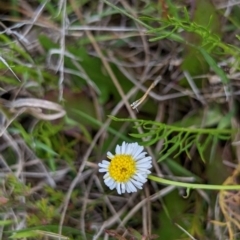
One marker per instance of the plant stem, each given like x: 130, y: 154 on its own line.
x: 193, y: 185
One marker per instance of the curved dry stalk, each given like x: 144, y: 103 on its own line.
x: 155, y: 196
x: 229, y: 203
x: 34, y: 107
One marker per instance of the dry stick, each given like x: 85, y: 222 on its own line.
x: 149, y: 212
x: 104, y: 61
x: 112, y: 220
x: 144, y: 41
x: 226, y: 4
x: 115, y: 81
x: 84, y: 204
x: 135, y: 104
x: 86, y: 156
x: 106, y: 199
x: 20, y: 38
x: 154, y: 197
x: 124, y: 98
x: 94, y: 90
x: 35, y: 16
x: 107, y: 29
x: 35, y: 161
x: 62, y: 45
x: 144, y: 217
x: 76, y: 179
x: 152, y: 94
x: 16, y: 148
x: 60, y: 7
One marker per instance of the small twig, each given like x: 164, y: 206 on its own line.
x: 135, y: 104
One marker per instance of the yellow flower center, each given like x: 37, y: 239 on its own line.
x: 122, y: 167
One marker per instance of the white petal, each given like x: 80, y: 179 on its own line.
x: 123, y: 148
x: 143, y: 168
x: 144, y: 163
x: 108, y: 179
x: 110, y: 155
x: 142, y: 176
x: 131, y: 187
x: 133, y: 148
x: 114, y: 185
x: 102, y: 169
x: 145, y: 159
x: 147, y: 165
x: 106, y: 175
x: 119, y: 188
x: 104, y: 163
x: 138, y: 151
x: 123, y: 187
x: 140, y: 156
x: 144, y: 172
x: 136, y: 183
x: 136, y: 148
x: 118, y: 149
x: 139, y: 177
x: 109, y: 182
x: 127, y: 188
x: 128, y: 149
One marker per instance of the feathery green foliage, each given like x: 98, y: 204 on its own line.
x: 176, y: 140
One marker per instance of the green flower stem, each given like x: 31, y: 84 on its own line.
x: 193, y: 185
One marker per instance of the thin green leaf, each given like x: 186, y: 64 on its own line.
x: 212, y: 63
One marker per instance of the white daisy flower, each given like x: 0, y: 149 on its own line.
x: 128, y: 168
